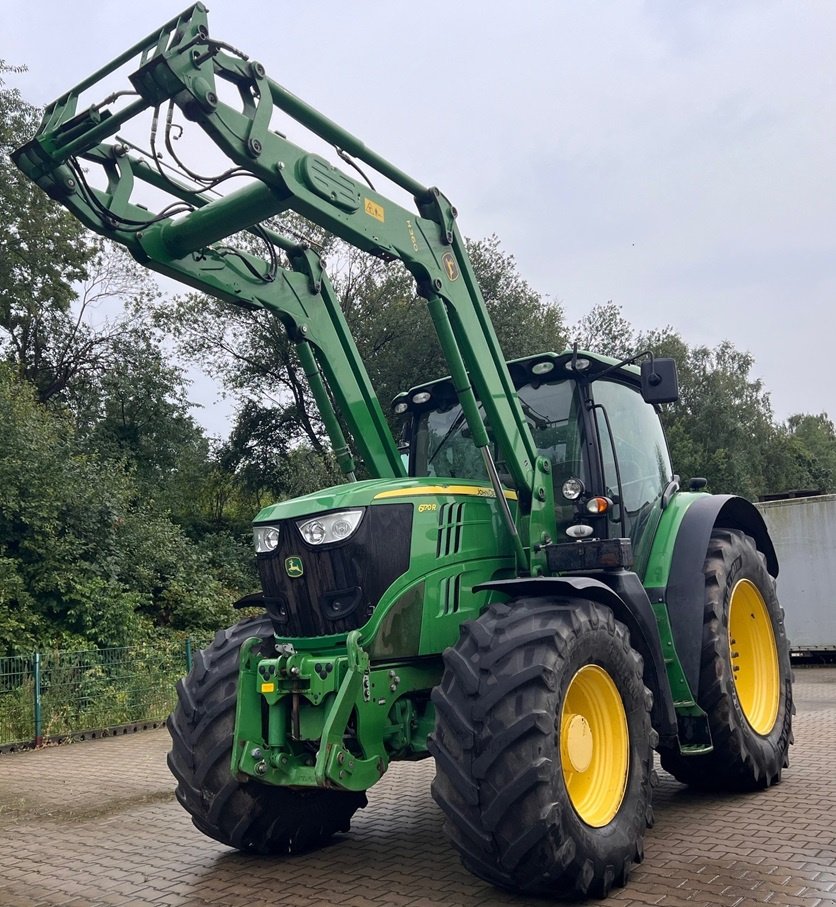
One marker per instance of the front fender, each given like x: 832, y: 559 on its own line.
x: 623, y: 593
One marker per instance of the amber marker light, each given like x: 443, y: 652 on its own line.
x: 598, y: 505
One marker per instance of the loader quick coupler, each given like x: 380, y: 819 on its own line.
x: 310, y: 720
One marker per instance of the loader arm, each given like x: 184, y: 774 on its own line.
x: 181, y: 66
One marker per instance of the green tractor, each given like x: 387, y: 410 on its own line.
x: 518, y: 589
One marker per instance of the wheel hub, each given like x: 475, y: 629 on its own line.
x: 579, y: 743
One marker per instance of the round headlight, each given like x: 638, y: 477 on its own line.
x: 271, y: 538
x: 400, y: 408
x: 341, y: 529
x: 313, y: 532
x: 572, y: 489
x: 266, y: 539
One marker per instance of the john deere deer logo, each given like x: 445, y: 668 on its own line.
x: 450, y: 266
x: 293, y: 567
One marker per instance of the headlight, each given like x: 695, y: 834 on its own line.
x: 266, y: 538
x: 572, y: 489
x: 331, y: 527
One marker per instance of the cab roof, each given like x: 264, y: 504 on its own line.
x: 535, y: 370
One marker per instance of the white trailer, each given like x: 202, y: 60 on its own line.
x: 803, y: 531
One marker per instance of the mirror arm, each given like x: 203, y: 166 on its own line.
x: 629, y: 361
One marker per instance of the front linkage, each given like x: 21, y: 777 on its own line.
x: 331, y: 721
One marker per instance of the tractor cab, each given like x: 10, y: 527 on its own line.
x: 610, y: 468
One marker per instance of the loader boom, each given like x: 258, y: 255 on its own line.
x: 181, y: 66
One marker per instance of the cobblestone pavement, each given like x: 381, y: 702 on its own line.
x: 95, y: 824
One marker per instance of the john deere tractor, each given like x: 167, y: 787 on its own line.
x: 519, y: 589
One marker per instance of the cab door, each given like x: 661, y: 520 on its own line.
x: 635, y: 462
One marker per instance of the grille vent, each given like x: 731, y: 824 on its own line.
x: 450, y: 520
x: 449, y: 594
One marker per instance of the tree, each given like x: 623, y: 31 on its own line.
x: 525, y: 321
x: 722, y: 427
x: 604, y: 329
x: 111, y: 523
x: 810, y: 442
x: 85, y: 557
x: 43, y: 250
x: 137, y: 412
x: 54, y: 275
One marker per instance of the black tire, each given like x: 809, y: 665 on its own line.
x: 743, y: 758
x: 246, y: 815
x: 499, y: 772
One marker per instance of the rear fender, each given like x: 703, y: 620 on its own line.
x: 623, y: 593
x: 684, y: 593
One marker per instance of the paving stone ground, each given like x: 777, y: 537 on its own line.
x: 95, y: 825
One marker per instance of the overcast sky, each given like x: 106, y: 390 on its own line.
x: 677, y: 158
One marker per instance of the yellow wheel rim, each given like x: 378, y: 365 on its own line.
x: 594, y: 746
x: 754, y: 657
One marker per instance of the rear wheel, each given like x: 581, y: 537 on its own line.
x: 243, y: 814
x: 745, y: 674
x: 543, y: 748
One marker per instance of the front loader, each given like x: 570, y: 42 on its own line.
x: 519, y: 589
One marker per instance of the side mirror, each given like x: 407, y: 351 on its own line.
x: 660, y: 383
x: 404, y: 437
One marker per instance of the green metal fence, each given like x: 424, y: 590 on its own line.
x: 50, y: 695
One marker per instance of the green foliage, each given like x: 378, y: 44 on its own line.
x: 43, y: 250
x: 394, y: 332
x: 136, y: 414
x: 723, y: 427
x: 111, y: 522
x: 812, y: 440
x: 84, y: 558
x: 525, y: 322
x: 726, y: 417
x: 89, y: 689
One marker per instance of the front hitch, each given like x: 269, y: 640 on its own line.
x: 308, y: 720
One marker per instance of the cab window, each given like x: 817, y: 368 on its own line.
x: 638, y: 446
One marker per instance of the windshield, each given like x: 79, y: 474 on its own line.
x: 443, y: 445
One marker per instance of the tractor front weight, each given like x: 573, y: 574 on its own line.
x: 310, y: 720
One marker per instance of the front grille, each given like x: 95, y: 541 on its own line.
x: 341, y: 584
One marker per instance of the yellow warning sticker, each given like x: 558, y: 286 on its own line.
x: 268, y: 688
x: 373, y: 209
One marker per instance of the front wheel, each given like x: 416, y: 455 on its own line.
x: 543, y: 748
x: 247, y: 815
x: 745, y: 684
